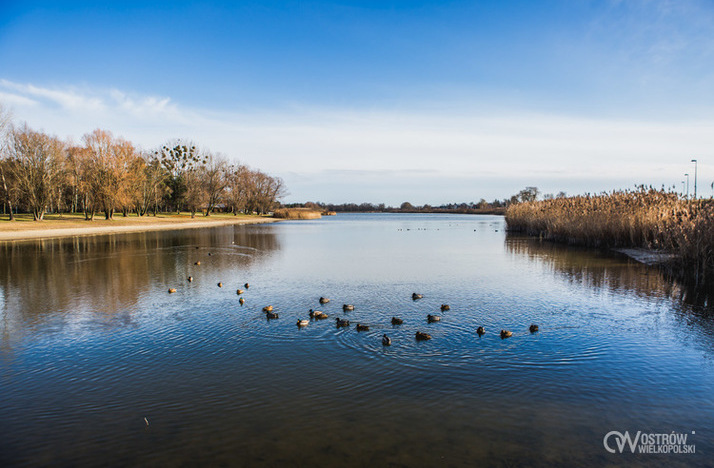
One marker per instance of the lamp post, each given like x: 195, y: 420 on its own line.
x: 687, y: 176
x: 695, y: 177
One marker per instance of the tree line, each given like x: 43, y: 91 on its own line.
x: 481, y: 207
x: 40, y: 173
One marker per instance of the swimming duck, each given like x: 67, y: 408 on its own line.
x: 421, y: 336
x: 445, y: 307
x: 506, y: 334
x: 317, y: 314
x: 480, y: 331
x: 239, y: 292
x: 197, y: 263
x: 172, y: 290
x: 220, y: 285
x: 397, y: 321
x: 189, y: 279
x: 303, y: 323
x: 416, y: 296
x: 271, y: 315
x: 267, y: 308
x: 386, y: 341
x: 533, y: 328
x: 341, y: 323
x: 324, y: 300
x: 242, y: 301
x: 361, y: 327
x: 432, y: 318
x: 246, y: 285
x: 348, y: 307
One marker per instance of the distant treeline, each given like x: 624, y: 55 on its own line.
x: 41, y: 173
x: 480, y: 207
x: 483, y: 207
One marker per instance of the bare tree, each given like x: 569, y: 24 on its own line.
x: 195, y: 197
x: 110, y: 163
x: 151, y: 182
x: 38, y: 159
x: 5, y: 162
x: 238, y: 192
x: 178, y: 158
x: 215, y: 181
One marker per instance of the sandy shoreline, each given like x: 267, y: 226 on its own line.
x: 45, y: 229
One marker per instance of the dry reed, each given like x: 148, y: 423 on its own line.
x: 296, y: 213
x: 642, y: 218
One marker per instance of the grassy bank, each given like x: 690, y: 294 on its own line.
x: 67, y: 225
x: 297, y: 213
x: 644, y: 218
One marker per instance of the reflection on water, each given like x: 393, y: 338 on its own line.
x: 596, y: 269
x: 57, y: 280
x: 92, y: 344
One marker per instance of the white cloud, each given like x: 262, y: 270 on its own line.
x: 352, y: 155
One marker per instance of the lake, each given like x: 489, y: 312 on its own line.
x: 100, y: 365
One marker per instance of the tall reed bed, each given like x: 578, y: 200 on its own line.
x: 296, y: 213
x: 644, y: 218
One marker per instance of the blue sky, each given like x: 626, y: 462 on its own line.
x: 383, y: 101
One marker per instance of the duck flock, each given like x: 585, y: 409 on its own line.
x: 317, y: 315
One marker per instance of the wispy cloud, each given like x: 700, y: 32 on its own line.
x: 353, y: 155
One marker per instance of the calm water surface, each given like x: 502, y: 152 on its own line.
x: 91, y: 343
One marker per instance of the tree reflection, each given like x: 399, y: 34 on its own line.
x: 59, y: 279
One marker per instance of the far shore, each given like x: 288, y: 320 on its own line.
x: 54, y: 226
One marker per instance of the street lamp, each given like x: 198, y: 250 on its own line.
x: 695, y: 177
x: 687, y: 176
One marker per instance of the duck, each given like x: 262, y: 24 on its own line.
x: 220, y: 285
x: 197, y: 263
x: 189, y: 279
x: 361, y: 327
x: 432, y: 318
x: 303, y: 323
x: 421, y: 336
x: 317, y: 314
x: 445, y: 307
x: 324, y: 300
x: 397, y: 321
x: 506, y: 334
x: 348, y: 307
x: 386, y: 341
x: 271, y: 315
x: 533, y: 328
x: 341, y: 323
x: 246, y: 285
x: 209, y: 254
x: 416, y: 296
x: 239, y: 292
x: 242, y: 301
x: 267, y: 308
x: 480, y: 331
x: 172, y: 290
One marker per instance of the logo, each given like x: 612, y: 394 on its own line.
x: 674, y: 442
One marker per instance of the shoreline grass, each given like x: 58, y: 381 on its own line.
x: 644, y: 218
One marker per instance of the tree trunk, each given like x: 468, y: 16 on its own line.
x: 7, y: 195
